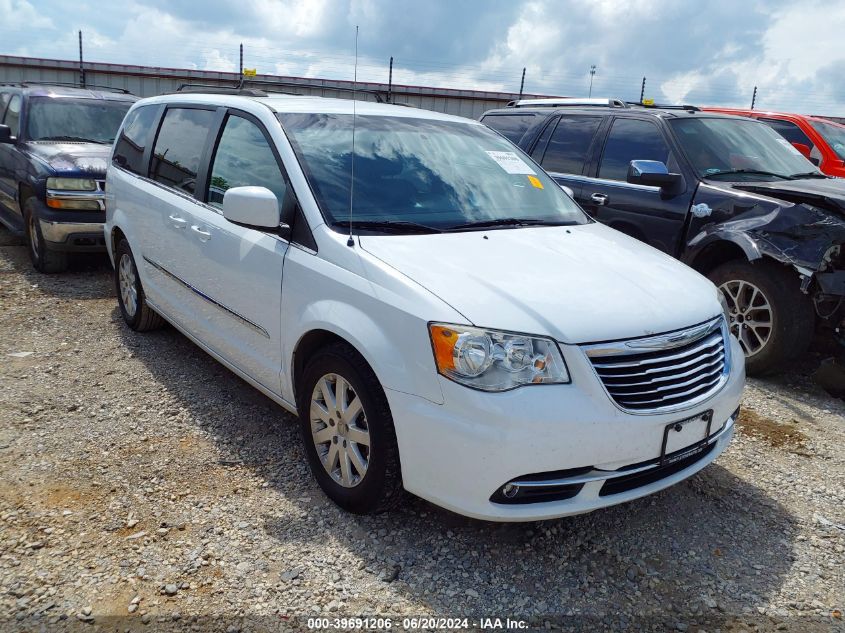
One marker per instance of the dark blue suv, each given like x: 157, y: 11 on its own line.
x: 54, y: 148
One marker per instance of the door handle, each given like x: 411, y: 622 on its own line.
x: 177, y: 222
x: 203, y: 234
x: 599, y: 199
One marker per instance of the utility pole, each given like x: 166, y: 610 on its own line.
x: 81, y: 67
x: 522, y: 83
x: 241, y: 77
x: 754, y: 98
x: 592, y: 74
x: 390, y: 82
x: 642, y: 91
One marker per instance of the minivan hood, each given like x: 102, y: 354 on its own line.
x: 87, y: 158
x: 578, y: 284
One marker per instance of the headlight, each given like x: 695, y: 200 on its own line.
x: 490, y: 360
x: 726, y: 309
x: 72, y: 184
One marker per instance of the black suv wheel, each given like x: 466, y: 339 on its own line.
x: 44, y: 260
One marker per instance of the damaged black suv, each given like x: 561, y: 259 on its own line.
x: 55, y: 142
x: 727, y: 195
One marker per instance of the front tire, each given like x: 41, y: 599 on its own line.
x: 771, y: 317
x: 130, y: 293
x: 347, y: 431
x: 43, y: 259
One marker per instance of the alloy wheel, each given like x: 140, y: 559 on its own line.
x: 750, y: 315
x: 33, y: 235
x: 339, y: 430
x: 128, y: 290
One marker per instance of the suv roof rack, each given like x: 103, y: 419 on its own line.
x: 67, y: 84
x: 660, y: 106
x: 558, y: 102
x: 221, y: 90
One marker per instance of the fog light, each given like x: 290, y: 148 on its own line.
x: 510, y: 491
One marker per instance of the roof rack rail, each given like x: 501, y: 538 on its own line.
x: 221, y: 90
x: 660, y: 106
x: 67, y: 84
x: 558, y: 102
x: 292, y: 84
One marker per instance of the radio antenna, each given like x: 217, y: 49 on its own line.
x: 351, y: 242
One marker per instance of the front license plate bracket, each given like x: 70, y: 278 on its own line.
x: 704, y: 420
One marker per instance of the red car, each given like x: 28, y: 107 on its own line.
x: 820, y: 140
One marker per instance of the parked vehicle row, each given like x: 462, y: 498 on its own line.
x: 440, y: 315
x: 55, y: 143
x: 727, y: 195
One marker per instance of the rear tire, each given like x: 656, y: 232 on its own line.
x: 344, y: 416
x: 766, y: 292
x: 130, y: 293
x: 43, y: 259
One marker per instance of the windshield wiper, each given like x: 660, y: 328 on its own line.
x: 71, y: 138
x: 508, y: 222
x: 759, y: 172
x: 388, y: 225
x: 809, y: 174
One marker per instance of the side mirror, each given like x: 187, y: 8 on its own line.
x: 803, y: 148
x: 6, y: 134
x: 652, y: 173
x: 569, y: 192
x: 252, y: 206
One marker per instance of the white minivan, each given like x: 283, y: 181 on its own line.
x: 441, y: 316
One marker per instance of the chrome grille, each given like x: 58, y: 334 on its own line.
x: 665, y: 372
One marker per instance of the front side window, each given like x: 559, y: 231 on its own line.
x: 511, y: 126
x: 179, y: 146
x: 63, y: 119
x: 442, y: 174
x: 631, y: 139
x: 243, y: 158
x: 130, y: 147
x: 833, y: 134
x: 12, y: 118
x: 789, y: 130
x: 738, y: 149
x: 569, y: 144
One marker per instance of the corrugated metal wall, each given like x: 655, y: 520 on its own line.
x: 147, y: 81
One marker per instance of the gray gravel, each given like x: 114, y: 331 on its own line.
x: 144, y: 485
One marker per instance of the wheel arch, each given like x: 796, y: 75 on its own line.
x: 716, y: 253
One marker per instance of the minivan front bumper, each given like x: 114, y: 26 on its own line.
x: 460, y: 455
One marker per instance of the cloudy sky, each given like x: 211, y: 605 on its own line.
x: 693, y: 52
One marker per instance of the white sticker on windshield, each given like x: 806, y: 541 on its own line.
x: 789, y: 145
x: 511, y: 163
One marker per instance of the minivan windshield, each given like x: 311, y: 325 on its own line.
x: 833, y: 134
x: 415, y: 175
x: 63, y: 119
x: 738, y: 149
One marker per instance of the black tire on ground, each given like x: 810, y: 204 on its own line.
x: 792, y: 312
x: 143, y: 318
x: 44, y: 260
x: 380, y: 489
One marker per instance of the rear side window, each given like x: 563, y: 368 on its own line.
x: 511, y: 126
x: 570, y: 142
x: 244, y: 158
x: 130, y: 147
x: 4, y: 100
x: 12, y: 117
x: 179, y: 146
x: 631, y: 139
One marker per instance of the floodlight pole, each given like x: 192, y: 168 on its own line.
x: 592, y: 74
x: 390, y: 82
x: 522, y: 83
x: 241, y: 78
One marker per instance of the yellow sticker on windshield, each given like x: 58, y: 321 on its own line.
x: 535, y: 181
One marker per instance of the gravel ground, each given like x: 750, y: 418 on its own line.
x: 145, y: 487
